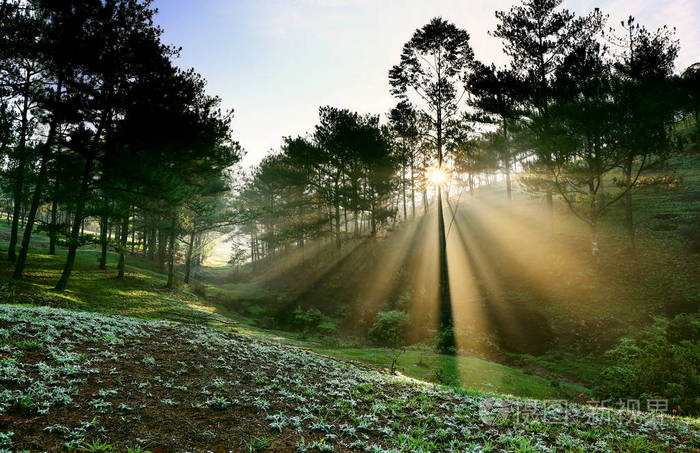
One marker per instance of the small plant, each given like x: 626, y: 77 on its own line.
x: 321, y: 445
x: 219, y: 403
x: 97, y: 446
x: 258, y: 444
x: 261, y: 404
x: 55, y: 428
x: 218, y: 383
x: 100, y: 404
x: 149, y: 361
x: 395, y: 355
x: 6, y: 439
x: 278, y: 421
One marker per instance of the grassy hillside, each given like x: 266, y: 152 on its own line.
x: 142, y: 294
x: 75, y: 380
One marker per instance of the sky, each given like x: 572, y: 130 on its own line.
x: 275, y: 62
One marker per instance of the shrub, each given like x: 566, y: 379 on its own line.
x: 445, y: 341
x: 662, y: 363
x: 306, y: 320
x: 389, y: 328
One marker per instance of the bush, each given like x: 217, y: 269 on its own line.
x: 662, y: 363
x: 306, y: 320
x: 389, y: 328
x: 445, y: 341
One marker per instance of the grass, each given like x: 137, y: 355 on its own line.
x: 141, y: 293
x: 468, y: 372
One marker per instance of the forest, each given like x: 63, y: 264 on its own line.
x: 506, y: 259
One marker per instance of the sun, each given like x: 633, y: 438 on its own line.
x: 437, y: 176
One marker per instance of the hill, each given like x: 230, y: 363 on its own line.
x: 111, y: 383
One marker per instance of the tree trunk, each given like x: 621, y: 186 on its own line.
x: 301, y: 230
x: 122, y: 245
x: 356, y: 221
x: 506, y: 162
x: 36, y: 197
x: 413, y: 191
x: 21, y: 164
x: 446, y: 322
x: 197, y: 257
x: 104, y: 222
x: 77, y: 221
x: 52, y: 231
x: 338, y: 242
x: 16, y: 213
x: 425, y: 185
x: 152, y: 242
x: 403, y: 190
x: 171, y: 253
x: 161, y: 250
x: 550, y: 212
x: 509, y: 187
x: 595, y: 246
x: 188, y: 258
x: 629, y: 214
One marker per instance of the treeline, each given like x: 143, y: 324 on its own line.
x: 98, y: 125
x: 583, y: 112
x: 338, y: 182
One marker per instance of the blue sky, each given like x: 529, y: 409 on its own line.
x: 276, y: 61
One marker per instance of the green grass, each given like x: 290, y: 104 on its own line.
x: 141, y: 293
x: 245, y: 292
x: 467, y: 372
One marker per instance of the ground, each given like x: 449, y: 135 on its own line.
x: 76, y: 380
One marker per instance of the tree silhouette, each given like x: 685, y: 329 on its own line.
x: 537, y: 35
x: 649, y: 103
x: 498, y: 96
x: 432, y: 76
